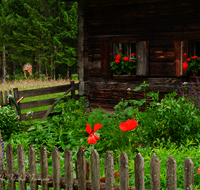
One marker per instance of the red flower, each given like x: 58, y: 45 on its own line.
x: 194, y: 57
x: 185, y: 54
x: 117, y: 61
x: 130, y: 60
x: 118, y: 57
x: 185, y: 65
x: 92, y: 137
x: 120, y: 50
x: 198, y: 171
x: 126, y: 58
x: 128, y: 125
x: 188, y: 59
x: 133, y: 54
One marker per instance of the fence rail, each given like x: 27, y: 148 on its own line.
x: 39, y: 103
x: 80, y: 183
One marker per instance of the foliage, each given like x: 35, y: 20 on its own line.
x: 193, y: 63
x: 163, y: 152
x: 69, y: 130
x: 43, y: 33
x: 123, y: 64
x: 171, y: 118
x: 190, y: 93
x: 8, y: 118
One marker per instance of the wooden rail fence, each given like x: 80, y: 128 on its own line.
x: 80, y: 183
x: 39, y: 103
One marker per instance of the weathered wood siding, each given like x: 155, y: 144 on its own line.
x: 169, y: 27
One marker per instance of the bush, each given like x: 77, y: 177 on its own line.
x: 8, y: 122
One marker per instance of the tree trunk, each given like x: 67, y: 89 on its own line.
x: 39, y: 66
x: 56, y: 65
x: 52, y: 68
x: 3, y: 79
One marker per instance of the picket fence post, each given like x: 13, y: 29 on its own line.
x: 95, y: 171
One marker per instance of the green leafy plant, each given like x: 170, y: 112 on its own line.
x: 193, y: 63
x: 8, y: 118
x: 123, y: 64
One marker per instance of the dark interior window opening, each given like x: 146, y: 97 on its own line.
x: 197, y: 49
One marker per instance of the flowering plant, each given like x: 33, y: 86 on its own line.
x: 123, y: 64
x: 192, y: 64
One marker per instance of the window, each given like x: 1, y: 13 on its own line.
x: 197, y: 48
x: 126, y: 47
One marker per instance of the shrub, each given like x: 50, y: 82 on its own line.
x: 8, y: 122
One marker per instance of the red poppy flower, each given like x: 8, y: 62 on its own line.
x: 118, y: 57
x: 92, y: 137
x: 128, y: 125
x: 120, y: 50
x: 194, y: 57
x: 185, y: 65
x: 198, y: 171
x: 117, y: 61
x: 185, y: 54
x: 133, y: 54
x: 188, y: 59
x: 126, y: 58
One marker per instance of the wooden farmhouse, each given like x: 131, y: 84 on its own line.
x: 158, y: 31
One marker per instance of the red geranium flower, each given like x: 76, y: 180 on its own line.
x: 185, y: 65
x: 117, y: 61
x: 185, y: 54
x: 118, y: 57
x: 133, y: 54
x: 194, y: 57
x: 126, y: 58
x: 188, y: 59
x: 198, y: 171
x: 92, y: 137
x: 120, y: 50
x: 128, y: 125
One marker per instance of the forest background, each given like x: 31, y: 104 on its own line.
x: 40, y: 32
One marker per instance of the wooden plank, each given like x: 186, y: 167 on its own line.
x: 2, y: 182
x: 95, y: 171
x: 161, y: 43
x: 68, y: 169
x: 10, y: 167
x: 105, y: 58
x: 5, y: 96
x: 36, y: 115
x: 155, y: 173
x: 142, y: 56
x: 124, y: 172
x: 188, y: 174
x: 1, y: 98
x: 81, y: 170
x: 162, y: 69
x: 139, y: 172
x: 44, y: 91
x: 171, y: 173
x: 56, y: 168
x: 32, y: 168
x: 109, y: 171
x: 21, y: 167
x: 80, y: 45
x: 38, y: 103
x: 44, y: 168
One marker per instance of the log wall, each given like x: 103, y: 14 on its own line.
x: 170, y: 28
